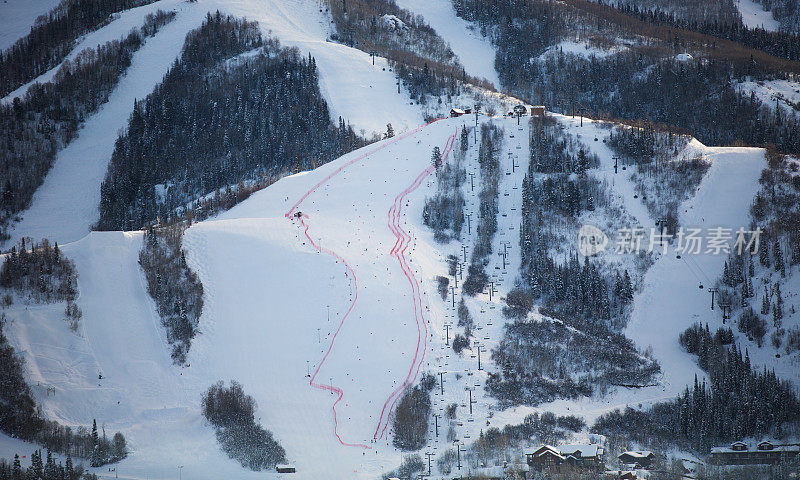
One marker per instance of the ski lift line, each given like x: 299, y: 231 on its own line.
x: 398, y: 251
x: 699, y: 280
x: 694, y: 262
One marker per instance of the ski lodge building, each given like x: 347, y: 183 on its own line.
x: 765, y: 453
x: 588, y: 457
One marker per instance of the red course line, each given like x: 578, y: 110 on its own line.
x: 302, y: 217
x: 403, y: 239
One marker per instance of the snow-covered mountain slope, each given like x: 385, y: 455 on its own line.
x: 268, y: 290
x: 320, y: 300
x: 122, y: 24
x: 365, y: 95
x: 474, y: 51
x: 66, y: 205
x: 754, y: 16
x: 18, y: 18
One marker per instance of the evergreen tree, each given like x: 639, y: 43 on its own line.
x: 16, y: 469
x: 95, y: 437
x: 69, y: 469
x: 780, y: 265
x: 436, y: 158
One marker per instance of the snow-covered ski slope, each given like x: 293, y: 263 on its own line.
x: 754, y: 16
x: 320, y: 299
x: 66, y: 205
x: 269, y: 289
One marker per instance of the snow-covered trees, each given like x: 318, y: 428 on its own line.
x: 489, y: 160
x: 663, y: 179
x: 444, y: 213
x: 217, y: 121
x: 39, y: 469
x: 545, y: 360
x: 174, y: 287
x: 232, y: 413
x: 740, y: 401
x: 34, y: 127
x: 410, y: 418
x: 41, y: 273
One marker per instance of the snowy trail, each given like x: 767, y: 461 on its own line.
x: 754, y: 16
x: 292, y: 214
x: 66, y: 205
x: 671, y: 300
x: 398, y: 251
x: 124, y: 22
x: 402, y: 241
x: 474, y: 51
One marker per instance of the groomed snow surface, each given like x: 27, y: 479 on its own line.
x: 277, y: 290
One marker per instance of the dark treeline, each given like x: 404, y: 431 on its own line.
x: 21, y: 418
x: 42, y: 274
x: 780, y: 44
x: 740, y: 401
x: 216, y: 121
x: 232, y: 413
x: 489, y: 160
x: 698, y: 95
x: 174, y: 287
x: 35, y: 127
x: 699, y: 11
x: 444, y: 213
x: 575, y: 289
x: 542, y: 361
x: 47, y: 469
x: 411, y: 417
x: 53, y: 36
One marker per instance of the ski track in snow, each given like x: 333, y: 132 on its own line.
x: 398, y: 251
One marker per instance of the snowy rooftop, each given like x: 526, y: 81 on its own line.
x: 753, y: 447
x: 637, y: 453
